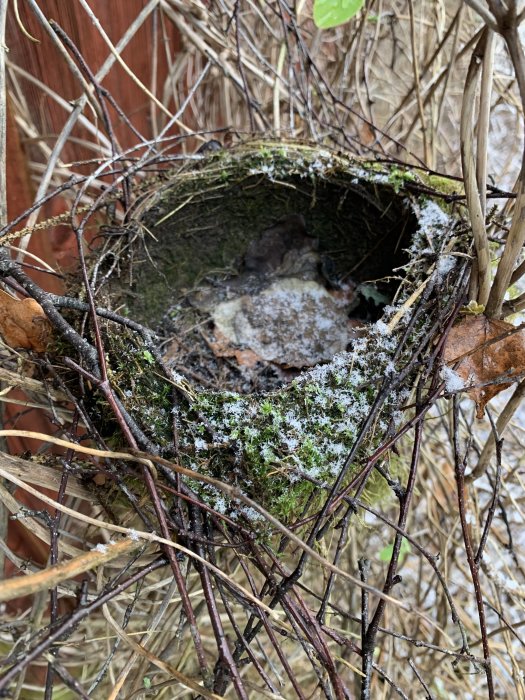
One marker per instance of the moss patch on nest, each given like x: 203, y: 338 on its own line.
x: 282, y: 447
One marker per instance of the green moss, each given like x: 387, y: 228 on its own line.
x: 398, y: 177
x: 143, y: 391
x: 441, y: 184
x: 280, y: 448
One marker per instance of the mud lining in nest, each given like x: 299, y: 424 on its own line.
x: 281, y: 443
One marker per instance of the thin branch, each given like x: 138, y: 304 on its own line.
x: 417, y: 84
x: 460, y: 466
x: 468, y: 162
x: 484, y: 13
x: 503, y: 420
x: 495, y: 493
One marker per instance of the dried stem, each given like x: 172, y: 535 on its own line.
x: 481, y: 285
x: 508, y: 28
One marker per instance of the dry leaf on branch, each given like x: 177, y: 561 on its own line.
x: 23, y: 323
x: 482, y: 359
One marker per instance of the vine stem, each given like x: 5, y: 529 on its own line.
x: 460, y: 465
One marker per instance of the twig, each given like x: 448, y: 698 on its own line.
x: 428, y: 694
x: 94, y: 19
x: 226, y: 669
x: 459, y: 468
x: 391, y: 577
x: 504, y: 417
x: 495, y: 492
x: 69, y: 624
x: 364, y: 570
x: 241, y: 66
x: 53, y: 560
x: 483, y: 13
x: 417, y: 84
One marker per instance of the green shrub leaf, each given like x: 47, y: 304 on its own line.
x: 386, y: 553
x: 331, y: 13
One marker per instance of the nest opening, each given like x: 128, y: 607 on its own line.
x: 251, y: 279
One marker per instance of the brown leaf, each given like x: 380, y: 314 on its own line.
x: 23, y: 323
x: 222, y: 347
x: 482, y: 361
x: 367, y: 135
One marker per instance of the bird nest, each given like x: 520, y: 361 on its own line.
x: 284, y: 297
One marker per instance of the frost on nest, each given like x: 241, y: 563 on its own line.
x: 433, y: 225
x: 432, y: 216
x: 453, y: 382
x: 101, y: 548
x: 445, y: 265
x: 275, y: 164
x: 304, y: 431
x: 293, y: 322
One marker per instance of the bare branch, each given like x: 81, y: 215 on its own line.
x: 484, y: 13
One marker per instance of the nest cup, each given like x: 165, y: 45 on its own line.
x: 280, y: 434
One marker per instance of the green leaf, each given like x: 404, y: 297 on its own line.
x: 331, y: 13
x: 371, y: 293
x: 386, y: 553
x: 473, y: 308
x: 148, y: 356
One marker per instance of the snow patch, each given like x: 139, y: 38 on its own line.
x: 453, y: 382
